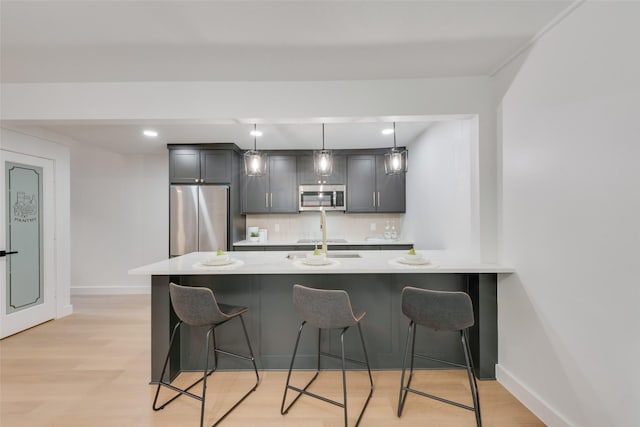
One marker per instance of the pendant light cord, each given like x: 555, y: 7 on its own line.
x: 323, y: 137
x: 254, y: 137
x: 394, y: 135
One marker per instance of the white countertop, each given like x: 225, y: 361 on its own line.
x: 276, y: 262
x: 377, y: 242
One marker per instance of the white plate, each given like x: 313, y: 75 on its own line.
x: 412, y: 261
x: 316, y: 261
x: 213, y: 262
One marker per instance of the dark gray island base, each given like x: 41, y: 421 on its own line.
x: 272, y: 323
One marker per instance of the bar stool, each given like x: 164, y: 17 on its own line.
x: 326, y: 309
x: 438, y: 311
x: 197, y: 306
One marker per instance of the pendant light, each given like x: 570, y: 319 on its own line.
x: 255, y: 162
x: 323, y: 160
x: 395, y: 160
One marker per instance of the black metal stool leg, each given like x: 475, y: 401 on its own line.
x: 404, y: 390
x: 473, y: 385
x: 253, y: 359
x: 366, y: 359
x: 204, y: 373
x: 344, y: 377
x: 319, y: 347
x: 215, y: 350
x: 171, y: 387
x: 164, y: 368
x: 287, y: 386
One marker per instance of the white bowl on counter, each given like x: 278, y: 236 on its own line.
x: 218, y: 260
x: 416, y: 258
x: 319, y: 259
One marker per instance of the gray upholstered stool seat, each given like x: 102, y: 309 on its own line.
x: 326, y: 309
x: 197, y: 306
x: 438, y: 311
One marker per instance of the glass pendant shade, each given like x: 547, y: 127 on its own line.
x: 323, y: 160
x: 395, y: 160
x: 255, y: 162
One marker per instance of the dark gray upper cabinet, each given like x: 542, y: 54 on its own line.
x: 361, y: 183
x: 275, y: 192
x: 194, y: 166
x: 215, y: 166
x: 283, y: 197
x: 184, y: 166
x: 307, y: 175
x: 369, y: 189
x: 255, y: 194
x: 390, y: 189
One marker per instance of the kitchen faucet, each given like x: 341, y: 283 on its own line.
x: 323, y: 227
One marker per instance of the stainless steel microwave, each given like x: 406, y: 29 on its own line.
x: 316, y: 197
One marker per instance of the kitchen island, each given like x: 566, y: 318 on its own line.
x: 263, y: 281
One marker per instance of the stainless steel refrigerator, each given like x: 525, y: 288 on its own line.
x: 198, y: 218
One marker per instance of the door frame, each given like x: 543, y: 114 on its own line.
x: 37, y: 314
x: 48, y: 146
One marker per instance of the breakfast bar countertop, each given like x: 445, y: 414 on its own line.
x: 342, y: 262
x: 332, y: 242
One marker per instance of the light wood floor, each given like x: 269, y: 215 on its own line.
x: 92, y: 369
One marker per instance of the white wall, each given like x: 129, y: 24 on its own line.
x: 568, y: 319
x: 439, y: 188
x: 225, y: 100
x: 119, y: 214
x: 23, y: 142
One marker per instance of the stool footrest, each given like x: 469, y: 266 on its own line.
x: 439, y: 399
x: 181, y: 391
x: 317, y: 396
x: 239, y: 356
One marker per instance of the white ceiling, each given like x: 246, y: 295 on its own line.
x: 115, y: 41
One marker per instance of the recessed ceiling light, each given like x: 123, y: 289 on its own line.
x: 387, y: 131
x: 150, y: 133
x: 256, y: 133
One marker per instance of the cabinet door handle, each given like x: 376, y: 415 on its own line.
x: 378, y: 199
x: 271, y: 195
x: 374, y: 199
x: 266, y: 200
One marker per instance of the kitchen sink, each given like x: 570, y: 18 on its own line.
x: 319, y: 241
x: 343, y: 254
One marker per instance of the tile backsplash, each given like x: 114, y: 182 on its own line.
x: 306, y: 225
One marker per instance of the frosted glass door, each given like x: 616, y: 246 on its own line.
x: 24, y: 269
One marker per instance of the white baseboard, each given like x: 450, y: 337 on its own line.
x: 111, y: 290
x: 549, y: 415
